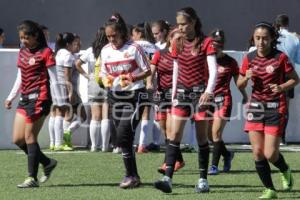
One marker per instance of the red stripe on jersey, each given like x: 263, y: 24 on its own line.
x: 227, y: 68
x: 192, y: 66
x: 164, y: 62
x: 120, y: 67
x: 267, y: 70
x: 33, y: 65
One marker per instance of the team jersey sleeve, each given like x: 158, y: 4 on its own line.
x: 69, y: 60
x: 286, y: 64
x: 49, y: 57
x: 85, y: 56
x: 245, y: 66
x: 174, y: 52
x: 141, y: 59
x: 209, y: 47
x: 155, y: 58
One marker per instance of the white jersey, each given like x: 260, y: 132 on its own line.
x: 130, y: 58
x: 148, y: 48
x: 160, y: 45
x: 63, y: 58
x: 89, y: 58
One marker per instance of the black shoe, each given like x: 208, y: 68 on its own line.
x: 48, y: 170
x: 153, y: 147
x: 164, y: 185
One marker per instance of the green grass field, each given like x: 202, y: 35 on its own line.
x: 85, y: 175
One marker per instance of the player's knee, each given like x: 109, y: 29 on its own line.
x: 258, y: 153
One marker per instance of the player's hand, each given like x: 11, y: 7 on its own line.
x: 276, y: 88
x: 249, y: 74
x: 205, y: 98
x: 125, y: 80
x: 7, y: 104
x: 108, y: 81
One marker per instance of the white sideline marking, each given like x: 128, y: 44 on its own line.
x: 60, y: 152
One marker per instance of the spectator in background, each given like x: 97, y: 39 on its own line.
x: 289, y: 44
x: 47, y: 36
x: 2, y: 37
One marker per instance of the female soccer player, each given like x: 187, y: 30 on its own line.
x: 267, y: 68
x: 142, y: 35
x: 124, y: 66
x: 35, y: 62
x: 222, y: 104
x: 160, y: 30
x: 195, y: 56
x: 96, y: 93
x: 162, y: 65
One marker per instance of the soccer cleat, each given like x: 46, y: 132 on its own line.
x: 268, y: 194
x: 162, y: 169
x: 179, y: 165
x: 227, y: 162
x: 130, y: 182
x: 287, y: 180
x: 93, y: 149
x: 202, y: 186
x: 117, y: 150
x: 153, y: 147
x: 68, y: 138
x: 213, y: 170
x: 48, y: 170
x: 29, y: 183
x: 164, y: 185
x: 63, y: 148
x: 52, y: 147
x: 142, y: 149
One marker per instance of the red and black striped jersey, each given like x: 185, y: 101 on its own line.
x: 227, y: 68
x: 192, y: 65
x: 33, y: 65
x: 271, y: 69
x: 164, y: 62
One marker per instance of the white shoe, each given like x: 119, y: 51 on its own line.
x: 202, y: 186
x: 117, y: 150
x: 94, y: 149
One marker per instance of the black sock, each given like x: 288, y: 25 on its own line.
x: 224, y: 152
x: 33, y: 159
x: 179, y: 156
x: 128, y: 159
x: 264, y: 172
x: 216, y: 153
x: 135, y: 171
x: 281, y: 164
x: 203, y: 159
x: 171, y: 155
x: 167, y: 141
x: 44, y: 160
x: 23, y: 147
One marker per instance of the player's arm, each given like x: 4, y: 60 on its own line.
x: 14, y: 91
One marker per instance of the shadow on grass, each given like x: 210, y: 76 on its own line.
x: 191, y: 172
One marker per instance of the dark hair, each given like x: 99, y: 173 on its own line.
x: 271, y: 29
x: 62, y: 39
x: 32, y: 28
x: 145, y: 30
x: 191, y: 15
x: 99, y: 42
x: 281, y: 21
x: 43, y: 27
x: 163, y: 25
x: 118, y: 24
x: 218, y: 37
x: 1, y: 31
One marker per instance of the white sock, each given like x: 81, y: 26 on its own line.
x: 145, y: 127
x: 51, y: 130
x: 156, y: 132
x: 58, y: 128
x: 105, y: 133
x: 66, y: 125
x: 75, y: 124
x: 94, y: 132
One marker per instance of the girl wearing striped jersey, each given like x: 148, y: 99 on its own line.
x: 162, y: 66
x: 63, y: 98
x: 267, y: 68
x: 195, y: 55
x: 124, y: 66
x: 160, y: 30
x: 222, y: 104
x: 142, y: 35
x: 36, y: 64
x: 96, y: 94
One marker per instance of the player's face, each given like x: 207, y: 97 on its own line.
x: 113, y: 37
x: 76, y: 45
x: 185, y: 26
x: 262, y: 40
x: 28, y: 41
x: 135, y: 35
x: 158, y: 35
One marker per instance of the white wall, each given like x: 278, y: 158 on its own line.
x: 233, y: 132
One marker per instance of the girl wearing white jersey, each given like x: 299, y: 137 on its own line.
x: 96, y: 94
x: 63, y: 97
x: 124, y: 66
x: 142, y: 35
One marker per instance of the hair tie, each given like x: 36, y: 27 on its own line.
x: 114, y: 18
